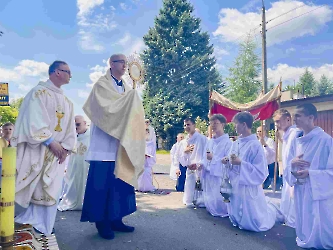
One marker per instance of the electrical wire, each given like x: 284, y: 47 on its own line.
x: 301, y: 6
x: 296, y: 17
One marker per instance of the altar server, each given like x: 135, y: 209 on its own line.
x: 248, y: 208
x: 145, y: 181
x: 311, y: 173
x: 77, y: 170
x: 174, y: 159
x: 218, y: 147
x: 192, y: 155
x: 283, y: 122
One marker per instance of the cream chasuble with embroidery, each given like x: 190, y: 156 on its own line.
x: 45, y: 112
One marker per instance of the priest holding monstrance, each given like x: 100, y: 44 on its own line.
x: 116, y: 152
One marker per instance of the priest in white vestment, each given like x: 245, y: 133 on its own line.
x: 77, y: 170
x: 116, y: 152
x: 248, y: 208
x: 283, y: 122
x: 311, y: 173
x: 145, y: 181
x: 174, y: 159
x: 218, y: 147
x: 192, y: 155
x: 44, y: 136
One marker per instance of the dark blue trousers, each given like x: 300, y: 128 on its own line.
x: 106, y: 198
x: 181, y: 179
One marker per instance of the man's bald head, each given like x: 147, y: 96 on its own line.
x: 118, y: 65
x: 80, y: 124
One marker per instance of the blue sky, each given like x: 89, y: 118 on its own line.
x: 85, y: 33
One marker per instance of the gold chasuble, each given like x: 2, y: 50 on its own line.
x: 45, y: 112
x: 122, y: 117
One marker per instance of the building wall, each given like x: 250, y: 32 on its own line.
x: 325, y: 121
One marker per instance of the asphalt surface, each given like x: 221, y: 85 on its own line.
x: 162, y: 222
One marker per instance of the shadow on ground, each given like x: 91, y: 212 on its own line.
x: 163, y: 223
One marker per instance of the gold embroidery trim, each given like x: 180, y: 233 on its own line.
x: 82, y: 149
x: 41, y: 92
x: 59, y: 115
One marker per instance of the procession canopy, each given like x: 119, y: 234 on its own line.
x: 262, y: 108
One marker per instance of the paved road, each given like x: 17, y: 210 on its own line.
x: 163, y: 223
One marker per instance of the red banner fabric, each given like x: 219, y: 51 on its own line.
x: 261, y: 112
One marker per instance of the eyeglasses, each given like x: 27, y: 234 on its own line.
x: 121, y: 61
x: 67, y: 71
x: 77, y: 124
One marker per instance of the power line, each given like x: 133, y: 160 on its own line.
x: 285, y: 13
x: 297, y: 16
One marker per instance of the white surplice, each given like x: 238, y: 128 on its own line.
x: 248, y: 208
x: 314, y: 199
x: 287, y: 205
x: 76, y: 176
x: 213, y: 174
x: 174, y: 161
x: 198, y: 156
x: 145, y: 181
x: 45, y: 113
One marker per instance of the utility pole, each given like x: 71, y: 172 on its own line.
x: 264, y: 56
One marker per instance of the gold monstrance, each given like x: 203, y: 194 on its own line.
x: 135, y: 69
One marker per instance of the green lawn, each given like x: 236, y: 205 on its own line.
x: 162, y: 152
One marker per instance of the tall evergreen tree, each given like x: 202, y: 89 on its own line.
x: 306, y: 84
x: 324, y: 86
x: 244, y: 85
x: 179, y: 61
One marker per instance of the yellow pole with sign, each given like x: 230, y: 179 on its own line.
x: 7, y: 195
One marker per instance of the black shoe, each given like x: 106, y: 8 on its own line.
x: 121, y: 227
x: 104, y: 230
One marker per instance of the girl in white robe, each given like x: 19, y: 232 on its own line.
x: 145, y: 181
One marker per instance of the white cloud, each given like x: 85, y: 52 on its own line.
x: 130, y: 44
x: 233, y: 23
x: 25, y: 87
x: 290, y: 50
x: 219, y: 52
x: 88, y: 42
x: 124, y: 40
x: 83, y: 94
x: 32, y: 68
x: 25, y: 68
x: 291, y: 73
x: 92, y: 24
x: 97, y: 72
x: 250, y: 5
x: 123, y: 6
x: 85, y: 6
x: 8, y: 75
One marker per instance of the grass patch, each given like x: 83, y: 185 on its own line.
x: 162, y: 152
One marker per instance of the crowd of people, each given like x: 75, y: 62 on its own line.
x: 228, y: 177
x: 63, y: 164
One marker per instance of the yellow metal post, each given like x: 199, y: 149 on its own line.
x: 7, y: 196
